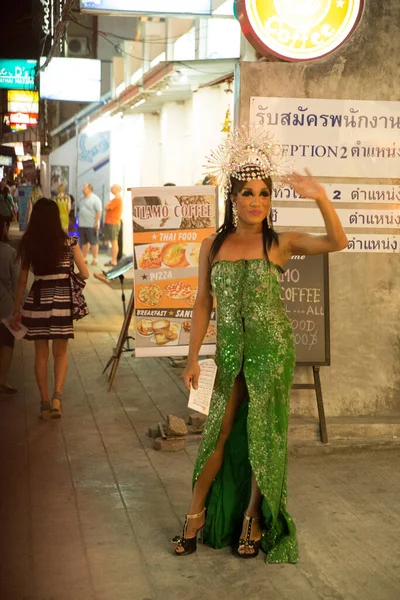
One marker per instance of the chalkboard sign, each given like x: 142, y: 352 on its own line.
x: 305, y: 293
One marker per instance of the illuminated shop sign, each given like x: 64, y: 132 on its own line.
x: 47, y: 13
x: 17, y: 74
x: 5, y: 161
x: 23, y: 119
x: 75, y: 79
x: 23, y: 102
x: 147, y: 7
x: 298, y: 30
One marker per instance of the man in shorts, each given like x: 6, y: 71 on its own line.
x: 112, y: 223
x: 89, y: 213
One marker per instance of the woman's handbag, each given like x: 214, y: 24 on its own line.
x: 79, y: 306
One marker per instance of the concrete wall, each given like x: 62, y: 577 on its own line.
x: 126, y: 163
x: 364, y: 377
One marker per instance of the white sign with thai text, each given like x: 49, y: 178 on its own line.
x: 336, y: 138
x: 346, y: 192
x: 372, y: 242
x: 312, y: 217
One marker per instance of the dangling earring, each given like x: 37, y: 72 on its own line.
x: 234, y: 214
x: 269, y: 219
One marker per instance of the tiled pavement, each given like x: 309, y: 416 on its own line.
x: 87, y: 507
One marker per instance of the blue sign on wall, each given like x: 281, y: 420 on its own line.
x: 24, y: 191
x: 17, y: 74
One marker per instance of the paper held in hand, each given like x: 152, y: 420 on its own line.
x: 20, y: 333
x: 200, y: 399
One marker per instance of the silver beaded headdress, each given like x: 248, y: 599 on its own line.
x: 246, y: 155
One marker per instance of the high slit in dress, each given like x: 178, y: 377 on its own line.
x: 255, y: 337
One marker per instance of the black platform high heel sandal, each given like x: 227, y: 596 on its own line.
x: 246, y: 544
x: 189, y: 545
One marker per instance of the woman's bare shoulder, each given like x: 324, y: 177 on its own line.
x: 207, y: 243
x: 210, y: 239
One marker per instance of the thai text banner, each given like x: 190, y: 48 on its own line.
x: 337, y: 138
x: 359, y: 218
x: 346, y: 192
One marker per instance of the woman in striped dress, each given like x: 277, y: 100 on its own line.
x: 47, y: 312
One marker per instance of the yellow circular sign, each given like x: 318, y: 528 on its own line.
x: 298, y: 30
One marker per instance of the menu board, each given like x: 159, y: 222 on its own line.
x: 305, y: 294
x: 169, y: 225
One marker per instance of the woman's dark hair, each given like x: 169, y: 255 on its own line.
x: 268, y: 233
x: 43, y: 245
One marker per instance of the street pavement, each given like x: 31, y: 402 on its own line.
x: 88, y: 507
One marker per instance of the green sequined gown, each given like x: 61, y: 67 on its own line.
x: 254, y: 335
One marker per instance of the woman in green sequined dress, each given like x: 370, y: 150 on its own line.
x: 239, y: 484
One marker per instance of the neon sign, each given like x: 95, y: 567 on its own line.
x: 17, y: 74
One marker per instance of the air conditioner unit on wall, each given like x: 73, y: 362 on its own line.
x: 77, y: 46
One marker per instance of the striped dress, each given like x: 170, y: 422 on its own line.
x: 47, y: 309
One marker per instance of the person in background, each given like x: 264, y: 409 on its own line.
x: 72, y: 217
x: 63, y: 202
x: 89, y: 213
x: 46, y: 249
x: 36, y: 193
x: 8, y: 280
x: 126, y: 259
x: 14, y: 194
x: 6, y: 210
x: 112, y: 223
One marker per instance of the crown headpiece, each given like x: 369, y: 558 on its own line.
x: 246, y: 154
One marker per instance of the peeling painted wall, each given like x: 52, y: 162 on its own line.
x: 364, y: 376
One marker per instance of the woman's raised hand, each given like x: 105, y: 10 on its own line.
x: 191, y: 374
x: 306, y: 185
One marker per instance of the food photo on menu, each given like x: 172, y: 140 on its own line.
x: 170, y: 255
x: 168, y: 232
x: 173, y: 302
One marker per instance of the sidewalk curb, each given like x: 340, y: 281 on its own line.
x: 305, y: 449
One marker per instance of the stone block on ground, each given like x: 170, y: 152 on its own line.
x: 153, y: 431
x: 197, y: 420
x: 195, y: 431
x: 169, y: 445
x: 176, y: 426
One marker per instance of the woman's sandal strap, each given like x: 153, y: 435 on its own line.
x: 246, y: 516
x: 196, y: 516
x: 249, y: 543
